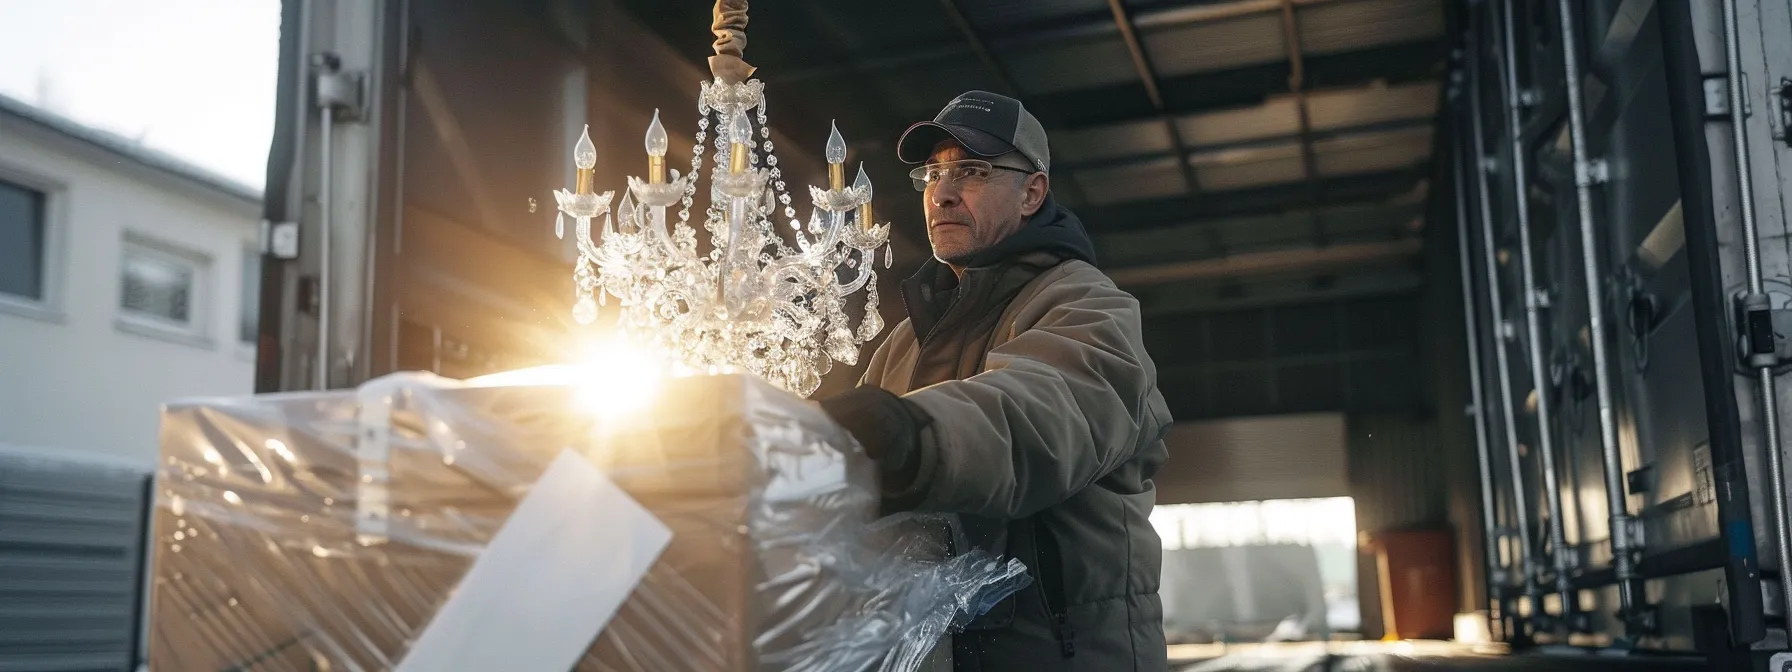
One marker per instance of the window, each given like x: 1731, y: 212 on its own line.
x: 162, y: 291
x: 23, y: 241
x: 249, y: 309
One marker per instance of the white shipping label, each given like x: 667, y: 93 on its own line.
x: 549, y: 582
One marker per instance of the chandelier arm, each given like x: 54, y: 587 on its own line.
x: 730, y: 28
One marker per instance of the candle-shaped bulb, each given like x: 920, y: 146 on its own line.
x: 584, y: 154
x: 740, y: 131
x: 656, y: 137
x: 863, y: 181
x: 836, y: 150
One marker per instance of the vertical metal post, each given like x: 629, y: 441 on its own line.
x: 1471, y: 327
x: 324, y: 276
x: 1497, y: 317
x: 1756, y: 302
x: 1623, y: 551
x: 1552, y: 493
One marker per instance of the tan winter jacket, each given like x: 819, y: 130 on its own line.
x: 1044, y: 429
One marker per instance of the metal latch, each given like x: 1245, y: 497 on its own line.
x: 1782, y: 95
x: 280, y: 240
x: 336, y: 90
x: 1765, y: 340
x: 1592, y: 172
x: 1717, y: 96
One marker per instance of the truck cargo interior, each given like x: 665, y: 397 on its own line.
x: 1473, y: 315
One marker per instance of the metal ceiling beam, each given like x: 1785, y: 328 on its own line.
x: 1265, y: 263
x: 1083, y: 26
x: 1379, y: 219
x: 1275, y: 198
x: 1296, y: 85
x: 1195, y: 153
x: 1196, y: 93
x: 1141, y: 61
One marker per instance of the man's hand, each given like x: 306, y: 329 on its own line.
x: 888, y: 427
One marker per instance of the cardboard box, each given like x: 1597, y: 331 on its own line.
x: 270, y: 552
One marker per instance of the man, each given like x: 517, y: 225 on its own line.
x: 1018, y: 395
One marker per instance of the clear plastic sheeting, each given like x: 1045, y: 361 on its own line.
x: 321, y: 531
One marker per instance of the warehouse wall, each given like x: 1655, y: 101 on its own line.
x: 1419, y: 469
x: 1446, y: 358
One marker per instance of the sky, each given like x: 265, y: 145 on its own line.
x: 193, y: 78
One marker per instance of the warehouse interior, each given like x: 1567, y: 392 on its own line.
x: 1274, y: 180
x: 1262, y: 176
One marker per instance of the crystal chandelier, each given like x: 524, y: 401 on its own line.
x: 766, y: 299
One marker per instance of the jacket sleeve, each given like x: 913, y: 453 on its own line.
x: 1068, y: 399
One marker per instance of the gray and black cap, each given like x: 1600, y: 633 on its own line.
x: 986, y: 124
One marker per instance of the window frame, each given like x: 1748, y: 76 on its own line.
x: 197, y: 330
x: 49, y: 306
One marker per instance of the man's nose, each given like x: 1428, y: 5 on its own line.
x: 943, y: 194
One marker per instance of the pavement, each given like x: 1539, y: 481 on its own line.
x: 1402, y: 657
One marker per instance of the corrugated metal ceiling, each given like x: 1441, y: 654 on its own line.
x: 1242, y: 123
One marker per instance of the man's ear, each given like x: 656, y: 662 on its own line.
x: 1033, y: 193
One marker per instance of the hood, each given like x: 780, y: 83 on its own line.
x: 1053, y: 229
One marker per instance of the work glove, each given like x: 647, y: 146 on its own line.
x: 887, y: 426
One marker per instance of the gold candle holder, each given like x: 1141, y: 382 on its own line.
x: 737, y: 159
x: 656, y: 169
x: 863, y: 181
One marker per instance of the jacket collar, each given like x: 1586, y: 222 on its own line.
x: 1051, y: 236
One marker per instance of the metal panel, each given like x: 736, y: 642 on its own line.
x: 1345, y: 26
x: 1154, y: 179
x: 1396, y: 472
x: 1089, y: 144
x: 1069, y: 66
x: 1367, y: 153
x: 1254, y: 459
x: 1276, y: 117
x: 71, y: 554
x: 1219, y: 45
x: 997, y: 14
x: 1360, y: 107
x: 1280, y: 166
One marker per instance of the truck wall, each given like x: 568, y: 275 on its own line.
x: 1663, y: 214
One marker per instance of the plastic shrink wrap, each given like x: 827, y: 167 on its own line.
x: 308, y: 531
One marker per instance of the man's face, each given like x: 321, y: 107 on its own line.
x: 967, y: 217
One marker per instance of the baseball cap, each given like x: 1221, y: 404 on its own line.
x: 987, y: 124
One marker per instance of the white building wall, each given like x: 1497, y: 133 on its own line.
x: 73, y: 377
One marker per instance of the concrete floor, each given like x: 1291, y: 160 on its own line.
x: 1401, y: 657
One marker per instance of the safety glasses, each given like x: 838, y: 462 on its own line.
x: 961, y: 172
